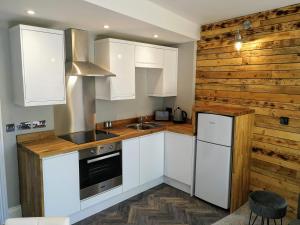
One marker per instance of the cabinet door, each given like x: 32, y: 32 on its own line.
x: 179, y: 157
x: 151, y: 157
x: 43, y: 67
x: 122, y: 64
x: 213, y: 172
x: 148, y: 57
x: 170, y: 72
x: 61, y: 185
x: 131, y: 163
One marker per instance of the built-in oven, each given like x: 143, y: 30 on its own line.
x: 100, y: 169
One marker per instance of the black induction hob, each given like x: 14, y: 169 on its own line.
x: 87, y: 136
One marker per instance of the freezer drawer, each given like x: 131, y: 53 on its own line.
x: 213, y: 173
x: 215, y: 128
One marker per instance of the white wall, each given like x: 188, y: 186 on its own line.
x: 3, y: 195
x: 12, y: 113
x: 145, y: 105
x: 186, y: 78
x: 142, y: 105
x: 123, y: 109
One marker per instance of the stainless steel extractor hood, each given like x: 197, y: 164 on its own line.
x: 77, y: 56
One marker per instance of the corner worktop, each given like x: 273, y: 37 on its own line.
x: 45, y: 144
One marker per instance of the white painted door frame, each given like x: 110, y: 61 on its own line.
x: 3, y: 193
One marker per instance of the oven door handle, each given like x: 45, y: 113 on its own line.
x: 102, y: 158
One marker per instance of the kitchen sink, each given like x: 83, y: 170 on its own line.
x: 143, y: 126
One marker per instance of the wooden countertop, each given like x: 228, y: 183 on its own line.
x: 45, y: 144
x: 222, y: 110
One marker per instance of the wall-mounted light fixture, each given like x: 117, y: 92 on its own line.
x: 238, y: 41
x: 238, y: 37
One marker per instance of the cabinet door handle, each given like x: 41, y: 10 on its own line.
x: 102, y: 158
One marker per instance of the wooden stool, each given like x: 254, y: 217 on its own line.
x: 268, y: 205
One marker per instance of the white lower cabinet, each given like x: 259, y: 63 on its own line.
x: 131, y: 163
x: 179, y: 157
x: 151, y: 157
x: 144, y: 159
x: 61, y: 185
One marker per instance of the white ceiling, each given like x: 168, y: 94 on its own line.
x: 175, y: 21
x: 209, y: 11
x: 83, y: 15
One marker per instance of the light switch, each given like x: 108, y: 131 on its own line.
x: 10, y: 127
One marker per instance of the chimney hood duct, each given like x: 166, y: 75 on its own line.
x: 77, y: 56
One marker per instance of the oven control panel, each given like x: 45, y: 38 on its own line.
x: 100, y: 150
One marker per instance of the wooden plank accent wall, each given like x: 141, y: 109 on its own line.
x: 265, y: 76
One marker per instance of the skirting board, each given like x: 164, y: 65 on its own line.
x: 178, y: 185
x: 113, y: 201
x: 16, y: 211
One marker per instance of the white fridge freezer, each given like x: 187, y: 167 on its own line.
x: 213, y: 160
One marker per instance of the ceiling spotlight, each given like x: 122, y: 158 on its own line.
x: 155, y: 36
x: 106, y: 26
x: 30, y: 12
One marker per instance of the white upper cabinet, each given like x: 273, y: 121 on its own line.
x: 170, y: 72
x: 38, y: 65
x: 149, y: 57
x: 116, y: 56
x: 163, y: 82
x: 121, y: 57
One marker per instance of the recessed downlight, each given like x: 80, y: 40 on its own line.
x: 30, y: 12
x: 155, y: 35
x: 106, y: 26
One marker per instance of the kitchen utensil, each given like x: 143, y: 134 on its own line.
x: 107, y: 124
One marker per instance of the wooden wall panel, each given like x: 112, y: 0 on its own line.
x: 265, y: 76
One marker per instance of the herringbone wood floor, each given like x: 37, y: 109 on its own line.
x: 160, y: 205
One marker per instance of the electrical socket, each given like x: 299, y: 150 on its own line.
x: 284, y: 120
x: 24, y: 125
x: 39, y: 124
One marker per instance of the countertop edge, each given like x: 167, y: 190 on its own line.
x: 223, y: 110
x: 176, y: 128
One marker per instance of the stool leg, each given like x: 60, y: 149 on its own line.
x: 250, y: 217
x: 263, y: 220
x: 275, y: 222
x: 254, y: 220
x: 280, y: 221
x: 268, y: 222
